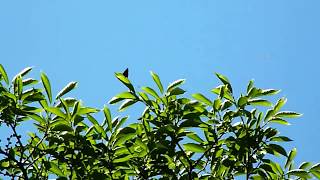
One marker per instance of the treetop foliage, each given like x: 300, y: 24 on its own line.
x: 175, y: 137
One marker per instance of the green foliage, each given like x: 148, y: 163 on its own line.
x: 216, y: 136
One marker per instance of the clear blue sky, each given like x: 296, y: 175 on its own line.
x: 275, y: 42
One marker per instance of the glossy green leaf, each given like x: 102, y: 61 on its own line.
x: 87, y: 110
x: 22, y: 73
x: 279, y: 104
x: 29, y: 81
x: 55, y: 169
x: 194, y: 147
x: 76, y: 108
x: 151, y: 92
x: 299, y: 173
x: 177, y: 91
x: 279, y: 149
x: 46, y: 83
x: 56, y: 111
x: 242, y: 101
x: 66, y: 89
x: 250, y: 85
x: 37, y: 118
x: 305, y: 165
x: 200, y: 97
x: 259, y: 102
x: 92, y: 120
x: 4, y: 74
x: 315, y: 167
x: 123, y: 159
x: 175, y: 84
x: 195, y: 137
x: 225, y: 81
x: 125, y: 81
x: 280, y: 139
x: 97, y: 126
x: 292, y: 155
x: 126, y: 95
x: 61, y: 125
x: 279, y: 121
x: 156, y: 79
x: 287, y: 114
x: 126, y: 104
x: 316, y: 174
x: 107, y: 115
x: 268, y: 92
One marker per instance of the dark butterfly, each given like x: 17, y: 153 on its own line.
x: 126, y: 73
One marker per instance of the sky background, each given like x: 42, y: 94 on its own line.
x: 274, y: 42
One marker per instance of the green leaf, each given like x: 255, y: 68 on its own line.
x: 151, y: 92
x: 156, y: 79
x: 250, y: 86
x: 123, y: 159
x: 287, y: 114
x: 269, y: 114
x: 124, y: 81
x: 97, y: 126
x: 315, y: 167
x: 194, y: 147
x: 202, y: 98
x: 280, y: 139
x: 66, y: 89
x: 126, y: 104
x: 259, y: 102
x: 107, y: 115
x: 37, y: 118
x: 4, y: 74
x: 316, y: 174
x: 120, y: 123
x: 279, y: 104
x: 76, y: 108
x: 268, y: 92
x: 22, y: 73
x: 195, y: 137
x: 305, y: 165
x: 47, y: 86
x: 299, y: 173
x: 225, y: 81
x: 87, y: 110
x: 126, y: 95
x: 60, y: 125
x: 242, y: 101
x: 18, y: 86
x: 56, y: 111
x: 279, y: 121
x: 177, y: 91
x: 279, y: 149
x: 29, y: 81
x: 290, y: 158
x: 55, y: 169
x: 175, y: 84
x: 92, y: 120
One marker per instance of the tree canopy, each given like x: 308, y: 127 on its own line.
x: 175, y: 136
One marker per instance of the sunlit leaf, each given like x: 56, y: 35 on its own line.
x: 156, y: 79
x: 292, y: 155
x: 259, y: 102
x: 47, y: 86
x: 299, y: 173
x: 287, y: 114
x: 4, y: 74
x: 66, y: 89
x: 200, y: 97
x: 194, y: 147
x: 175, y: 84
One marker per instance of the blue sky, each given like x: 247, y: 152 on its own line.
x: 275, y: 42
